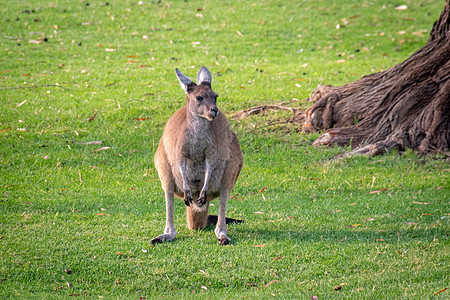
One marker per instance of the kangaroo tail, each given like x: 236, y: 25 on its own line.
x: 212, y: 220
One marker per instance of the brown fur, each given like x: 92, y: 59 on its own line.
x: 199, y: 158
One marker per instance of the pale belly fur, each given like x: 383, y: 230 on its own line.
x: 195, y: 173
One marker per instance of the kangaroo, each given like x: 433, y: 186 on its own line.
x: 198, y: 157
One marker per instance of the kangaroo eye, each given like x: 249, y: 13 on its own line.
x: 199, y: 98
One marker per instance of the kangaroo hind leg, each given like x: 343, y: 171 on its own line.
x: 169, y: 231
x: 221, y: 226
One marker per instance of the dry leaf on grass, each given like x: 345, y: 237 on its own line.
x: 377, y: 192
x: 437, y: 293
x: 273, y: 281
x: 22, y: 103
x: 277, y: 258
x: 354, y: 225
x: 93, y: 117
x: 263, y: 189
x: 100, y: 149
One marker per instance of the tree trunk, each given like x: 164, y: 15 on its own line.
x: 406, y: 106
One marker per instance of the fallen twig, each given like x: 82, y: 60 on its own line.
x: 30, y: 87
x: 133, y: 100
x: 297, y: 115
x: 88, y: 143
x: 260, y: 108
x: 11, y: 38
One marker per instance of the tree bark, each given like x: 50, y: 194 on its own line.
x: 406, y: 106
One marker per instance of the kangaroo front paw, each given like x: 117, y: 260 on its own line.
x: 188, y: 201
x: 201, y: 200
x: 187, y: 198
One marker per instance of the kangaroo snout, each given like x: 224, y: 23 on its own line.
x: 213, y: 112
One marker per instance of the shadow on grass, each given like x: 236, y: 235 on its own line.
x: 240, y: 233
x: 341, y: 236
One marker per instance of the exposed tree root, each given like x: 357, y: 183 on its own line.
x: 406, y: 106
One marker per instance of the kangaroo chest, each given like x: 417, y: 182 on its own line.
x: 196, y: 149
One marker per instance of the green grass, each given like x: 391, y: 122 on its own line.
x: 376, y: 226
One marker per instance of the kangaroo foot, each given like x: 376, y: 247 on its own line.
x: 223, y: 241
x: 165, y: 237
x: 156, y: 240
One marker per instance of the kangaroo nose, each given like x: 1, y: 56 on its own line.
x: 213, y: 112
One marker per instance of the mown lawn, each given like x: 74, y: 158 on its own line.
x: 76, y: 219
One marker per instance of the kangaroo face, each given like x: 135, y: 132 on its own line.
x: 201, y: 101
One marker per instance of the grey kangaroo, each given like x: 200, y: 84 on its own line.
x: 198, y: 159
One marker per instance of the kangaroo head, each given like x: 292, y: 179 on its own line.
x: 201, y: 99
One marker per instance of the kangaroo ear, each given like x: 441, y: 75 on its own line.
x: 186, y: 83
x: 204, y: 76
